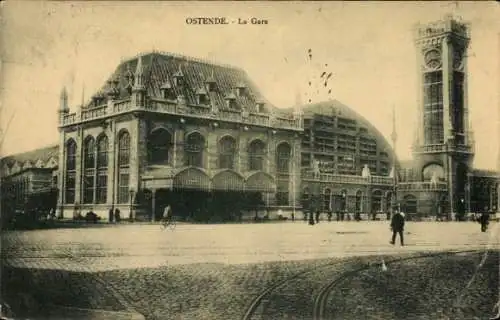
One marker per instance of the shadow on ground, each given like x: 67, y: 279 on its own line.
x: 418, y: 289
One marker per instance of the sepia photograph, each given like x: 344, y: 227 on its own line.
x: 250, y: 160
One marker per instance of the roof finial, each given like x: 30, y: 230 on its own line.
x: 63, y: 106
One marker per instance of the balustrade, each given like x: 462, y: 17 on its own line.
x: 344, y: 178
x: 422, y: 186
x: 162, y: 106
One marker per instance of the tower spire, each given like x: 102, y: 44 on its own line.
x: 139, y: 75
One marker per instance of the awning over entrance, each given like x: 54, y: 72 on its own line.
x: 192, y: 178
x: 260, y: 182
x: 228, y: 181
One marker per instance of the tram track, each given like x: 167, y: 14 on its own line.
x: 321, y: 298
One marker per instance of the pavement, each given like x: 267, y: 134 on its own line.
x: 122, y: 260
x: 127, y: 246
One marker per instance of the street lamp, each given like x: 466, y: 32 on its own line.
x: 130, y: 215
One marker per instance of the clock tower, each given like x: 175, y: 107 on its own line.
x: 444, y: 144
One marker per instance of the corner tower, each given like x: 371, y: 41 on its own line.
x: 444, y: 144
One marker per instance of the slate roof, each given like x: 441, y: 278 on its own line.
x: 160, y: 68
x: 33, y: 156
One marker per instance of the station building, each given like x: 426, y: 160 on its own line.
x: 170, y: 129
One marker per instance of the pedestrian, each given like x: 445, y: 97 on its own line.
x: 52, y: 214
x: 167, y: 213
x: 117, y: 215
x: 311, y: 218
x: 484, y: 220
x: 110, y: 215
x: 329, y: 215
x: 317, y: 216
x: 397, y: 227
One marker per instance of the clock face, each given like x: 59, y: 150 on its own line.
x: 432, y: 59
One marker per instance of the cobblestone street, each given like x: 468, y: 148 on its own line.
x: 138, y: 246
x: 210, y: 271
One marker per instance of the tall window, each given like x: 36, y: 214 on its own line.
x: 377, y: 201
x: 195, y: 144
x: 433, y: 107
x: 123, y: 166
x: 227, y: 150
x: 69, y: 196
x: 458, y: 105
x: 256, y: 155
x: 159, y: 145
x: 102, y: 168
x: 283, y: 158
x: 89, y: 163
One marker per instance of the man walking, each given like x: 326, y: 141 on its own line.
x: 397, y: 226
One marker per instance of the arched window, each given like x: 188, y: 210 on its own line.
x: 102, y: 168
x: 256, y: 155
x: 89, y: 163
x: 359, y: 201
x: 227, y: 150
x: 195, y: 144
x: 283, y: 153
x: 327, y: 196
x: 377, y: 201
x: 69, y: 192
x: 123, y: 166
x: 159, y: 145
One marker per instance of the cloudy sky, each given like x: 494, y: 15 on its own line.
x: 367, y: 46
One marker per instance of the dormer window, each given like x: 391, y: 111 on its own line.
x: 179, y: 81
x: 259, y: 106
x: 179, y: 78
x: 167, y: 92
x: 240, y: 89
x: 210, y: 83
x: 202, y: 96
x: 231, y: 101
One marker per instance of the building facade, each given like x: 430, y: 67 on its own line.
x: 171, y: 129
x: 29, y: 181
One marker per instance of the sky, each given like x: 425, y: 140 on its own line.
x: 368, y: 47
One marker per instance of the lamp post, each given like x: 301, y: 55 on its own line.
x: 130, y: 215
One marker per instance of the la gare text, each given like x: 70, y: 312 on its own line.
x: 224, y: 20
